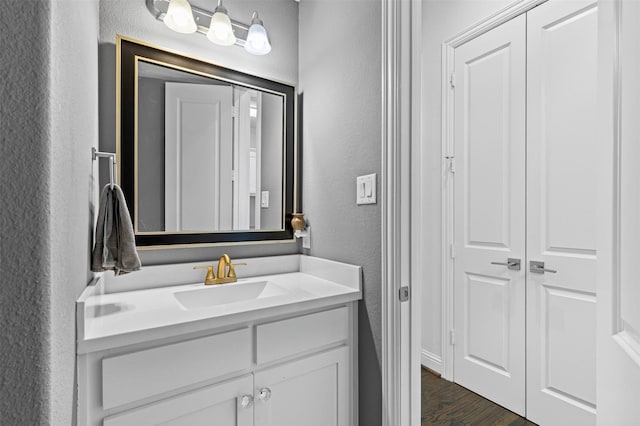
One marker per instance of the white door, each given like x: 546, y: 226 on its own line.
x: 313, y: 391
x: 489, y: 351
x: 198, y: 157
x: 561, y: 212
x: 241, y: 161
x: 618, y: 363
x: 220, y: 404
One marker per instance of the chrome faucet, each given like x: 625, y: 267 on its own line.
x: 226, y: 271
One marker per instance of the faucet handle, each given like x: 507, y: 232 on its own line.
x: 210, y: 278
x: 232, y: 269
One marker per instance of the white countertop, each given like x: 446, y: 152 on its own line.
x: 127, y: 317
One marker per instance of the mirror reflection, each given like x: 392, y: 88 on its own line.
x: 209, y: 153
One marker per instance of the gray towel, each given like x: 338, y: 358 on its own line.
x: 115, y: 245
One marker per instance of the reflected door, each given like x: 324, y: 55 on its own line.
x: 243, y: 142
x: 198, y: 157
x: 489, y: 351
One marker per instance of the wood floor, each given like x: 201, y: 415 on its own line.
x: 446, y: 403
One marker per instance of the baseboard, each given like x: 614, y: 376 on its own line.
x: 431, y: 361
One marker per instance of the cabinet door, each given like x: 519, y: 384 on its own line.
x: 313, y: 391
x: 219, y: 404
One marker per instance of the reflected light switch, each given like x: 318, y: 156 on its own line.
x: 366, y: 189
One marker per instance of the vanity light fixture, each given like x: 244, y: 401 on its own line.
x: 179, y: 17
x: 182, y: 17
x: 257, y: 40
x: 220, y: 31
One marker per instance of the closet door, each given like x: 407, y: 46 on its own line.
x: 561, y: 212
x: 489, y: 134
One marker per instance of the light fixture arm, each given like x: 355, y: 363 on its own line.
x: 255, y: 19
x: 158, y: 8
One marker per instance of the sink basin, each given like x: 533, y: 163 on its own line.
x: 224, y: 294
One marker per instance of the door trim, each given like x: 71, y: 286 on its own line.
x: 401, y: 20
x: 448, y: 47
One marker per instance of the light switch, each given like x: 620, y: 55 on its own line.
x: 264, y: 199
x: 366, y: 189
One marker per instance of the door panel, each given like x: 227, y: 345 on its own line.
x: 489, y: 218
x: 487, y: 307
x: 487, y: 82
x: 561, y: 206
x: 570, y: 322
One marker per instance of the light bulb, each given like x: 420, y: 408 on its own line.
x: 179, y: 17
x: 220, y: 31
x: 257, y: 39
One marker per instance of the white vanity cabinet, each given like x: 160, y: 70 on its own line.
x: 285, y: 370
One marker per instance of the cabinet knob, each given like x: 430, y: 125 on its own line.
x: 246, y: 401
x: 265, y: 394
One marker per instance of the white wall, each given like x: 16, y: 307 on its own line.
x: 50, y: 121
x: 341, y: 88
x: 441, y: 20
x: 132, y: 19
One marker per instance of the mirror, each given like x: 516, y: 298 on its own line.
x: 206, y: 153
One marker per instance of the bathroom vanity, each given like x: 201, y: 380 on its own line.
x: 276, y: 348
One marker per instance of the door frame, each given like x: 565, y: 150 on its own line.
x: 614, y: 353
x: 448, y: 169
x: 401, y: 322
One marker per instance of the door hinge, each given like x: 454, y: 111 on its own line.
x: 452, y: 337
x: 404, y: 293
x: 452, y: 80
x: 234, y: 176
x: 451, y: 163
x: 452, y: 251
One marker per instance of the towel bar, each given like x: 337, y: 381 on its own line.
x: 113, y: 170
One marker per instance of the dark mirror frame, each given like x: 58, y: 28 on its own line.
x: 127, y: 50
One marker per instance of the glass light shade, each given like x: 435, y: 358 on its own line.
x: 179, y: 17
x: 257, y: 40
x: 220, y: 31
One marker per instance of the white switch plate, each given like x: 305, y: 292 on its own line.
x: 264, y: 199
x: 366, y: 189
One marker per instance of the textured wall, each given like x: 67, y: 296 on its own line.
x: 49, y: 110
x: 441, y: 20
x: 132, y: 19
x: 341, y: 84
x: 73, y: 103
x: 25, y: 278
